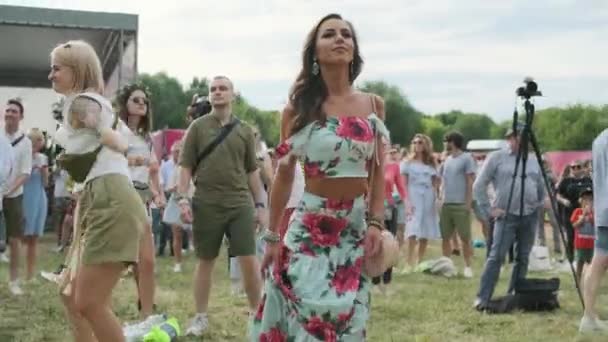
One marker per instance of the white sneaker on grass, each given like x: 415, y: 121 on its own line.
x: 4, y: 258
x: 467, y: 272
x: 199, y: 324
x: 177, y: 268
x: 50, y: 276
x: 13, y: 286
x: 135, y: 332
x: 591, y: 325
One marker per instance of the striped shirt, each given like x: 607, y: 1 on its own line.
x: 498, y: 170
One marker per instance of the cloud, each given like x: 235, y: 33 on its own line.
x: 444, y: 54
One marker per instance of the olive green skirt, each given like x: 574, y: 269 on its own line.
x: 112, y: 216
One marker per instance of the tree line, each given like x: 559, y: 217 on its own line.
x: 565, y: 128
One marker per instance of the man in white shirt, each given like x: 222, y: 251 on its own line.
x: 13, y: 196
x: 166, y: 173
x: 6, y: 164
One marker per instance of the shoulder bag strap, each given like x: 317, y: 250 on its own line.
x: 18, y: 140
x: 218, y: 140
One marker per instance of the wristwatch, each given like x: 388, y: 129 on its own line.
x: 259, y: 205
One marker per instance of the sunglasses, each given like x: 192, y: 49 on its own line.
x: 576, y: 167
x: 417, y: 142
x: 140, y: 100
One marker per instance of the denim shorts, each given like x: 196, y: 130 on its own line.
x: 601, y: 241
x: 400, y: 212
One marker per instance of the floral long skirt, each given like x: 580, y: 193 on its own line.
x: 317, y: 292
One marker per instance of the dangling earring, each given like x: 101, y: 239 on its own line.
x: 315, y: 67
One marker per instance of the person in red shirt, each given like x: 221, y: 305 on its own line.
x: 392, y: 204
x: 394, y: 189
x: 584, y: 231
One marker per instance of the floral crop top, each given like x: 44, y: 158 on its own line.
x: 340, y: 147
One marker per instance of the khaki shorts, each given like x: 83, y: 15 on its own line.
x: 213, y: 222
x: 13, y: 216
x: 455, y: 217
x: 111, y: 217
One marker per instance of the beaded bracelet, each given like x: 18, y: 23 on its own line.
x: 271, y: 237
x: 373, y: 222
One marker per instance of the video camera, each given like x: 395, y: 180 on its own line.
x: 200, y: 106
x: 529, y: 90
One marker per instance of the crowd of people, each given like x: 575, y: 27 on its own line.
x: 305, y: 223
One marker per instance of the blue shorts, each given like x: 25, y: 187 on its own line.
x: 601, y: 241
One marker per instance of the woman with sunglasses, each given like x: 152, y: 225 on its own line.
x: 422, y: 183
x: 568, y: 193
x: 110, y: 214
x: 134, y: 110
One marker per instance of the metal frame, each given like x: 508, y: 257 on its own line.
x: 121, y: 29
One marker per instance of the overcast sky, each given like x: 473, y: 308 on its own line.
x: 443, y: 54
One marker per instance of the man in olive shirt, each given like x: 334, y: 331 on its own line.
x: 222, y: 203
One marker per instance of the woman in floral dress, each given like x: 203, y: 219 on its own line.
x: 316, y: 288
x: 422, y: 182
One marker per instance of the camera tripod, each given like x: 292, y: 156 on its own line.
x: 528, y: 138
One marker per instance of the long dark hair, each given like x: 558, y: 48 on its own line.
x: 309, y: 91
x: 145, y: 125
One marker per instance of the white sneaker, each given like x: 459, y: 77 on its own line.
x: 184, y: 252
x: 467, y: 272
x: 592, y: 325
x: 4, y: 258
x: 177, y: 268
x: 199, y: 324
x: 407, y: 269
x: 135, y: 332
x: 13, y: 286
x: 50, y: 276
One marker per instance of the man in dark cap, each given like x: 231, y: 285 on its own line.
x: 509, y: 226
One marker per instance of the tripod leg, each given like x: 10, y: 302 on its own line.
x: 553, y: 201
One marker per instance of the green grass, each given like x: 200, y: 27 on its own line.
x: 422, y: 308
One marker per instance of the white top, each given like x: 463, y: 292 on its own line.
x: 138, y: 146
x: 60, y: 184
x: 82, y: 140
x: 166, y: 172
x: 6, y: 165
x: 39, y: 160
x: 22, y: 154
x: 297, y: 190
x: 174, y: 181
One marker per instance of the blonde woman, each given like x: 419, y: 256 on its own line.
x: 422, y: 182
x: 110, y: 213
x: 35, y: 202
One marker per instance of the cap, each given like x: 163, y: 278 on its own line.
x: 519, y: 127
